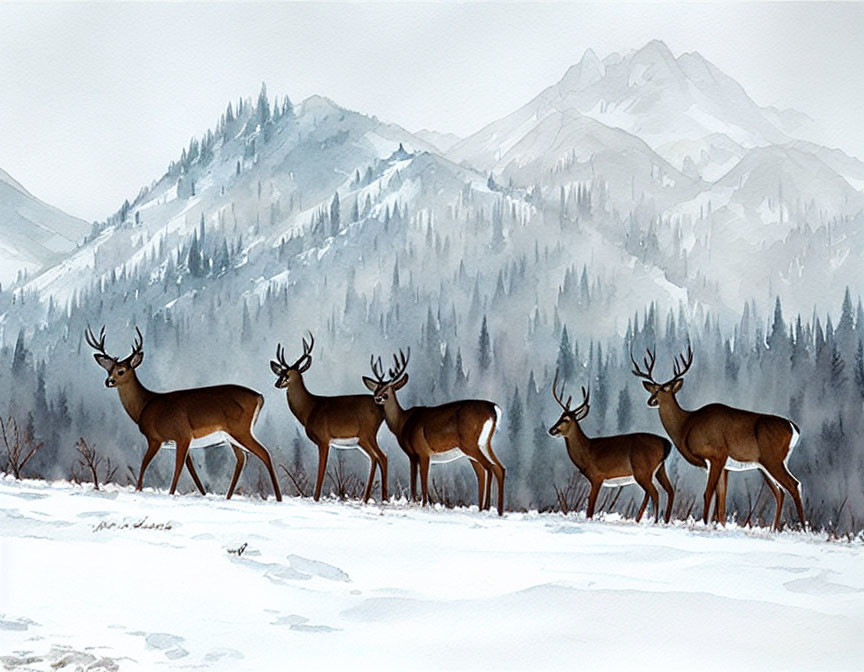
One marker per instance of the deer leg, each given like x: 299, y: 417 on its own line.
x: 714, y: 473
x: 720, y: 498
x: 373, y: 465
x: 250, y: 443
x: 481, y: 482
x: 782, y: 475
x: 414, y: 465
x: 647, y: 484
x: 381, y: 458
x: 592, y: 498
x: 194, y: 474
x: 424, y: 479
x: 180, y: 460
x: 642, y: 507
x: 670, y: 491
x: 779, y: 496
x: 153, y: 447
x: 240, y: 456
x: 323, y: 452
x: 500, y: 474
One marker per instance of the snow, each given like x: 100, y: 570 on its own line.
x: 148, y: 581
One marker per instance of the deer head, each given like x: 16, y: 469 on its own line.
x: 384, y: 389
x: 568, y: 417
x: 120, y: 371
x: 662, y: 392
x: 290, y: 374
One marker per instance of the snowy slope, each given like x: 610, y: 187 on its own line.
x: 33, y: 234
x: 146, y: 581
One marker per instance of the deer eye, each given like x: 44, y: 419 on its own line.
x: 121, y: 372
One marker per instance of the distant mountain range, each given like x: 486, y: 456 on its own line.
x: 682, y: 189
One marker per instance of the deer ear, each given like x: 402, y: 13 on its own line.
x: 305, y: 365
x: 370, y: 384
x: 583, y: 413
x: 399, y: 384
x: 136, y: 359
x: 651, y: 387
x: 677, y: 385
x: 275, y: 367
x: 104, y: 361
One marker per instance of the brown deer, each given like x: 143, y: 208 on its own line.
x: 613, y: 460
x: 350, y: 421
x: 720, y: 437
x: 440, y: 434
x: 204, y: 416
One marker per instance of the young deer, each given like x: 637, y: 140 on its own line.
x: 614, y: 460
x: 200, y: 415
x: 440, y: 433
x: 720, y: 437
x: 350, y: 421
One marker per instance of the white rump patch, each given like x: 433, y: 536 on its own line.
x: 345, y: 444
x: 485, y: 433
x: 446, y: 456
x: 618, y: 482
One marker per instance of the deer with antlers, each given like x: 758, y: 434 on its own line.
x: 722, y: 438
x: 201, y: 416
x: 350, y: 421
x: 613, y: 460
x: 440, y: 434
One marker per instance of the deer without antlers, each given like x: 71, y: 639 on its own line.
x: 350, y: 421
x: 440, y: 434
x: 721, y: 437
x: 613, y: 460
x: 185, y: 417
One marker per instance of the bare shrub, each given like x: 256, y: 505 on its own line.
x: 299, y: 479
x: 18, y: 447
x: 90, y: 461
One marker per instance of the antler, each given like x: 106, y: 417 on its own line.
x: 93, y: 342
x: 560, y: 395
x: 648, y: 362
x: 307, y: 350
x: 377, y: 369
x: 682, y: 364
x: 138, y: 344
x: 400, y: 364
x: 280, y: 356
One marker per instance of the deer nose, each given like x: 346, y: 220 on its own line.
x: 110, y: 382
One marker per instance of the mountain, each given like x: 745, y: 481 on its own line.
x: 648, y: 93
x: 441, y: 141
x: 33, y: 234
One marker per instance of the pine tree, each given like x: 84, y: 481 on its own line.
x: 262, y: 111
x: 335, y: 215
x: 625, y: 410
x: 566, y: 363
x: 19, y: 355
x: 484, y: 349
x: 514, y: 416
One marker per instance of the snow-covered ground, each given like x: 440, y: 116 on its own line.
x: 119, y: 580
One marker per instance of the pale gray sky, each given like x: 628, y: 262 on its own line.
x: 98, y: 98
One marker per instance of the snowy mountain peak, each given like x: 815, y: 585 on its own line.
x: 587, y: 71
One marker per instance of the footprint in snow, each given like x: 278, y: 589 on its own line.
x: 317, y: 568
x: 301, y: 624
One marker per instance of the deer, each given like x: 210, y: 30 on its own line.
x: 719, y: 437
x: 204, y: 416
x: 346, y: 422
x: 439, y: 434
x: 613, y: 461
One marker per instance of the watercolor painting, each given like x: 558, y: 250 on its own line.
x: 436, y: 336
